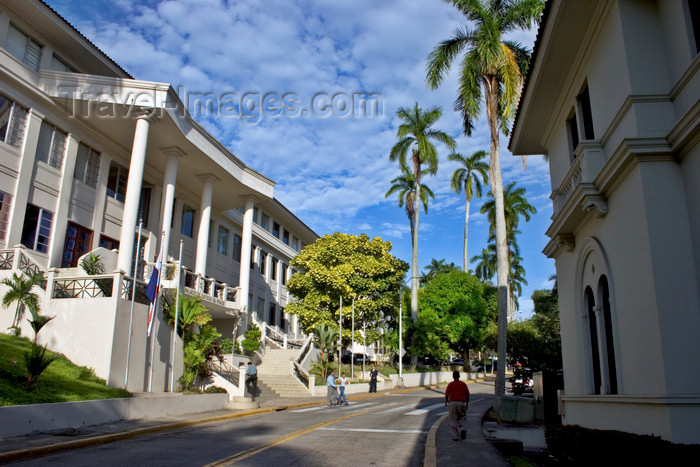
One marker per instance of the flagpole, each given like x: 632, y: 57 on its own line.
x: 352, y: 346
x: 177, y: 309
x: 133, y: 297
x: 156, y: 306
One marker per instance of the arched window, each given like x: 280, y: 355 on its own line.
x: 593, y: 333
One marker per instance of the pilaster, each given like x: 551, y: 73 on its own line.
x: 24, y: 178
x: 63, y: 203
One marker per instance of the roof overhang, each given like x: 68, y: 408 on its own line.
x: 562, y: 33
x: 111, y: 106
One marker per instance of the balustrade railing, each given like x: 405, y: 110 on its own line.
x: 7, y: 259
x: 83, y: 287
x: 208, y: 288
x: 17, y: 259
x: 140, y: 292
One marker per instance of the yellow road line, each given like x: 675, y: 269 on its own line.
x: 263, y: 447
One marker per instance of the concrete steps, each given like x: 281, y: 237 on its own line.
x: 276, y: 373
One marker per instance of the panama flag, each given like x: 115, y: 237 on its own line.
x: 153, y: 288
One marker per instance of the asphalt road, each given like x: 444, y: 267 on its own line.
x: 386, y: 430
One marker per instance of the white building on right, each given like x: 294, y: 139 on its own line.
x: 612, y: 99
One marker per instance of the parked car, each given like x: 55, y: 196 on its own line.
x: 458, y: 361
x: 358, y: 358
x: 431, y: 361
x: 346, y: 357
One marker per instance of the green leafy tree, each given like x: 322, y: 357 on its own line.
x: 453, y: 315
x: 415, y: 134
x: 20, y: 291
x: 405, y: 186
x: 469, y: 177
x: 492, y: 70
x: 351, y: 267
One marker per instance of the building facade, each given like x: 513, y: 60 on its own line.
x: 612, y: 99
x: 90, y: 157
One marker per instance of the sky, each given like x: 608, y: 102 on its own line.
x: 327, y: 153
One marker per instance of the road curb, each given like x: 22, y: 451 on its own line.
x: 430, y: 456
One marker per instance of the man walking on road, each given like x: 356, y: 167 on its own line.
x: 332, y: 394
x: 457, y: 399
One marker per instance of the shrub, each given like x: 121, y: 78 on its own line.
x: 36, y: 361
x: 251, y: 338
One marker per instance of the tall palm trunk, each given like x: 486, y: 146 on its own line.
x: 466, y: 234
x: 414, y: 258
x: 491, y: 88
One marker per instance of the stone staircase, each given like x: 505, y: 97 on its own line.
x: 275, y: 375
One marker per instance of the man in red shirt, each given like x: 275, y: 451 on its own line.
x: 457, y: 399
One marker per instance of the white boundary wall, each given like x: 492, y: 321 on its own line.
x: 18, y: 420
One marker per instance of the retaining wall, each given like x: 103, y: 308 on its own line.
x: 20, y: 420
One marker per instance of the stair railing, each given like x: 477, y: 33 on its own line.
x: 273, y: 336
x: 301, y: 374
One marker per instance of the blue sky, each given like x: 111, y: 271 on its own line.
x: 332, y: 170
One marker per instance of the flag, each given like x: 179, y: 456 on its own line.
x: 153, y: 288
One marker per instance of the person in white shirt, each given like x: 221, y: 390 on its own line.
x: 342, y: 382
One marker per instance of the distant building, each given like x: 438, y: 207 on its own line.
x: 612, y: 99
x: 86, y: 151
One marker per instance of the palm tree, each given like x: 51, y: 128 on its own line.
x: 415, y: 133
x: 485, y: 264
x: 325, y: 338
x: 515, y: 206
x: 20, y: 291
x: 436, y: 268
x: 497, y: 66
x: 405, y: 185
x: 468, y: 178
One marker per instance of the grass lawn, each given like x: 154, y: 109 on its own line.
x: 62, y: 381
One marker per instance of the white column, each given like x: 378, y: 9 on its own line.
x: 133, y: 193
x: 204, y: 219
x: 246, y: 242
x: 63, y: 204
x: 166, y: 206
x: 98, y: 213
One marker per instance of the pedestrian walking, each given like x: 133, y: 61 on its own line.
x: 342, y: 382
x: 457, y: 400
x: 373, y: 379
x: 332, y: 391
x: 251, y: 379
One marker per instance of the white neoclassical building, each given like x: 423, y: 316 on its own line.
x: 612, y: 98
x: 90, y: 156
